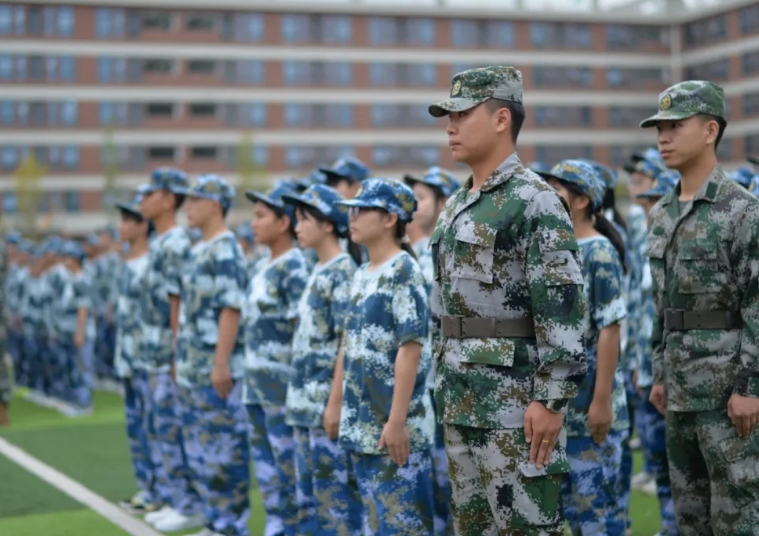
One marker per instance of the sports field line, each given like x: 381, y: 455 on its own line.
x: 76, y: 491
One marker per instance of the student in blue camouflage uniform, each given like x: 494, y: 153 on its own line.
x: 386, y: 419
x: 327, y: 503
x: 168, y: 256
x: 134, y: 231
x: 210, y: 362
x: 270, y: 314
x: 432, y: 191
x: 651, y: 423
x: 57, y: 357
x: 743, y: 176
x: 33, y: 327
x: 345, y: 176
x: 597, y: 419
x: 11, y: 295
x: 104, y: 286
x: 71, y: 313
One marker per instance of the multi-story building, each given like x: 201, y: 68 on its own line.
x: 98, y: 86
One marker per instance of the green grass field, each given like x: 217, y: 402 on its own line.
x: 93, y: 451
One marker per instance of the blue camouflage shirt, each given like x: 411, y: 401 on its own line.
x: 636, y: 225
x: 270, y: 313
x: 424, y: 258
x: 55, y: 284
x: 128, y: 316
x: 602, y: 273
x: 32, y: 306
x: 74, y: 295
x: 388, y: 308
x: 168, y: 256
x: 321, y: 319
x: 215, y: 280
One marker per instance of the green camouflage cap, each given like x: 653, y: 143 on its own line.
x: 686, y: 99
x: 475, y: 86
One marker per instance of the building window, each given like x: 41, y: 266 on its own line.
x: 336, y: 29
x: 622, y: 37
x: 8, y: 112
x: 159, y: 109
x: 20, y: 68
x: 559, y: 35
x: 158, y: 66
x: 750, y: 63
x: 109, y: 23
x: 253, y: 114
x: 19, y: 20
x: 244, y: 71
x: 420, y: 32
x: 69, y: 113
x: 545, y: 76
x: 716, y: 70
x: 298, y: 157
x: 465, y: 33
x: 725, y: 150
x: 383, y: 74
x: 105, y: 71
x: 383, y: 31
x: 750, y: 105
x: 36, y: 68
x: 70, y: 157
x: 9, y: 158
x: 116, y: 114
x: 202, y: 109
x: 51, y: 68
x: 296, y: 73
x: 500, y: 34
x: 200, y: 22
x: 201, y: 66
x: 706, y: 31
x: 6, y: 19
x: 67, y: 68
x: 161, y: 153
x: 203, y: 153
x: 628, y: 116
x: 637, y: 77
x: 338, y: 73
x: 6, y: 67
x: 245, y: 26
x: 71, y: 201
x: 749, y: 17
x: 556, y: 153
x: 34, y: 20
x: 156, y: 20
x: 563, y: 116
x: 395, y: 156
x: 296, y: 28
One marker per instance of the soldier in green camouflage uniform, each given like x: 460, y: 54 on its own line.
x: 5, y: 375
x: 703, y: 243
x: 508, y: 306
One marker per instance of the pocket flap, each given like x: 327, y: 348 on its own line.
x: 557, y: 240
x: 697, y: 250
x: 557, y: 467
x: 479, y: 234
x: 736, y: 449
x: 498, y: 352
x: 657, y: 245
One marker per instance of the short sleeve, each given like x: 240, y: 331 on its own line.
x: 341, y: 292
x: 230, y: 277
x: 410, y: 304
x: 175, y: 256
x: 607, y: 303
x: 82, y: 295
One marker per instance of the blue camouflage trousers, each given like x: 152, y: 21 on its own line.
x: 273, y: 447
x: 145, y: 463
x: 58, y: 359
x: 174, y: 484
x: 105, y: 345
x: 36, y: 367
x: 14, y: 347
x: 327, y: 493
x: 652, y: 429
x: 81, y: 376
x: 218, y: 452
x: 590, y: 492
x: 625, y: 480
x: 397, y: 500
x: 441, y: 485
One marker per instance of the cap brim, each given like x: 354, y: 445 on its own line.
x: 630, y: 168
x: 753, y: 160
x: 456, y: 104
x: 256, y: 197
x: 664, y: 115
x: 332, y: 174
x: 410, y: 180
x: 125, y: 207
x: 357, y: 203
x: 546, y: 176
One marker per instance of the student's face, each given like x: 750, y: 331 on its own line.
x: 155, y: 203
x: 199, y: 211
x: 71, y: 264
x: 681, y: 142
x: 310, y: 232
x: 639, y: 183
x: 128, y: 228
x: 578, y: 204
x: 369, y: 224
x: 267, y: 226
x: 474, y: 133
x: 427, y: 207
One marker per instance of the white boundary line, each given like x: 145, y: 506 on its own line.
x: 76, y: 491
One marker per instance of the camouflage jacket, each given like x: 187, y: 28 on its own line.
x: 507, y: 250
x: 706, y: 258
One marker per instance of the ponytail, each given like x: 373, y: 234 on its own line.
x: 606, y: 228
x: 610, y: 203
x: 403, y: 239
x: 353, y: 249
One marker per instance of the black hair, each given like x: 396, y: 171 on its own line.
x: 179, y: 199
x: 705, y: 118
x: 402, y: 238
x: 280, y: 213
x: 610, y: 203
x: 517, y: 111
x: 600, y: 223
x: 353, y: 249
x: 333, y: 180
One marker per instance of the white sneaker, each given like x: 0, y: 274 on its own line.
x: 174, y: 522
x: 153, y: 517
x: 640, y: 480
x: 650, y: 488
x: 635, y: 443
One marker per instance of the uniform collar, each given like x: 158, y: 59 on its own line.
x: 709, y: 191
x: 501, y: 174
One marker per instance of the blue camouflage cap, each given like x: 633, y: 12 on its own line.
x: 273, y: 198
x: 607, y: 174
x: 348, y: 168
x: 436, y: 177
x: 213, y: 188
x: 133, y: 206
x: 743, y: 176
x: 387, y: 194
x: 585, y: 177
x: 300, y: 185
x: 651, y: 154
x: 317, y: 177
x: 73, y: 249
x: 539, y: 167
x: 325, y: 200
x: 172, y: 179
x: 664, y: 182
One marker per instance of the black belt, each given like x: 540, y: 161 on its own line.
x: 458, y: 327
x: 681, y: 320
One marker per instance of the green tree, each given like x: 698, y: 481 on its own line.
x: 253, y: 174
x: 28, y: 192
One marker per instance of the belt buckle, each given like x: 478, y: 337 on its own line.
x: 452, y: 327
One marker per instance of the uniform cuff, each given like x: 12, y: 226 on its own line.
x: 747, y: 386
x: 547, y: 388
